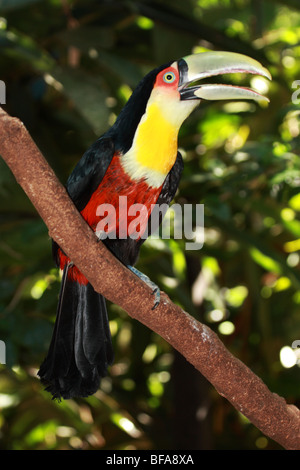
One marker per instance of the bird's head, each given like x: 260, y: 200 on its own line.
x: 176, y: 89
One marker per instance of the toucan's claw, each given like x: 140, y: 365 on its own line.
x: 151, y: 284
x: 156, y: 292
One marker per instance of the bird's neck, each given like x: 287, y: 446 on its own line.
x: 154, y: 148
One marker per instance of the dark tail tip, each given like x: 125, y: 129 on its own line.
x: 72, y: 385
x: 81, y: 349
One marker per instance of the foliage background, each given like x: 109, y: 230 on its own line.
x: 69, y: 67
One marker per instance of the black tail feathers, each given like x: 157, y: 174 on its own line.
x: 81, y: 348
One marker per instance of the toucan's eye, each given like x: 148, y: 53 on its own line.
x: 169, y: 77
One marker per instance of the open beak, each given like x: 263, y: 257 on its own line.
x: 195, y: 67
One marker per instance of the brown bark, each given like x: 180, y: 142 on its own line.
x: 194, y: 340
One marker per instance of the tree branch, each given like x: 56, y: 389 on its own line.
x: 195, y: 341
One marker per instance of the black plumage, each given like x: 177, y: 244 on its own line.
x: 81, y: 346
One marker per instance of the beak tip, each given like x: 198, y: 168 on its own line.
x: 212, y: 63
x: 267, y: 74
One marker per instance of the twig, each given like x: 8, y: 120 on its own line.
x: 195, y: 341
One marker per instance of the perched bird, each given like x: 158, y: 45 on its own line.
x: 137, y: 158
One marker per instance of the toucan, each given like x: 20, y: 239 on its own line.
x: 136, y: 160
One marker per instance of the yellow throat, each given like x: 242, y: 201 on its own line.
x: 154, y: 148
x: 156, y: 141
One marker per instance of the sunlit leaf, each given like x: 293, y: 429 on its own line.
x: 265, y: 261
x: 217, y: 128
x: 125, y: 424
x: 294, y: 202
x: 236, y: 295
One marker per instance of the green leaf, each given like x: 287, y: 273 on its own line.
x: 21, y: 48
x: 87, y: 95
x: 266, y: 262
x: 294, y: 202
x: 7, y: 5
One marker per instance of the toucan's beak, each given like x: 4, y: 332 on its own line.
x: 195, y: 67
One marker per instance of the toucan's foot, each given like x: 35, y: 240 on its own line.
x: 152, y: 285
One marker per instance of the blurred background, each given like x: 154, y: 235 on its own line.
x: 69, y: 67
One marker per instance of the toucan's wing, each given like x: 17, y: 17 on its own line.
x: 87, y: 175
x: 166, y: 195
x: 89, y: 171
x: 171, y: 182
